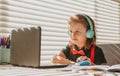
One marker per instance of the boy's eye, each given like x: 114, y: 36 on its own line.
x: 78, y: 31
x: 70, y: 31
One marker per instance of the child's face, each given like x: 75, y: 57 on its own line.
x: 77, y: 33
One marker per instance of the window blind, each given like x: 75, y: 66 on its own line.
x: 108, y: 21
x: 52, y: 16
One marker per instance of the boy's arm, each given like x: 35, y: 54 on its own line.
x: 60, y: 58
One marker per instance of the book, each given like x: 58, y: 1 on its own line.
x: 113, y: 68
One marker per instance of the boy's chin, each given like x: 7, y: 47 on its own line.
x: 74, y: 42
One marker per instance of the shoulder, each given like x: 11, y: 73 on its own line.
x: 66, y: 48
x: 98, y: 49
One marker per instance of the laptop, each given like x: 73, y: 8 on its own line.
x: 26, y: 48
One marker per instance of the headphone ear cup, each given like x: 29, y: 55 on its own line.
x: 89, y: 34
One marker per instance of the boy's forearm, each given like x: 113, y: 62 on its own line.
x: 61, y: 60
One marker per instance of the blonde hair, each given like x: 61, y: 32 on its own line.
x: 79, y: 18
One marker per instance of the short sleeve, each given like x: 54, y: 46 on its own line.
x: 66, y: 51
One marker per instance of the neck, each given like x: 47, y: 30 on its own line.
x: 80, y: 45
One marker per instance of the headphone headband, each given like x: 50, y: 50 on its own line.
x: 89, y: 21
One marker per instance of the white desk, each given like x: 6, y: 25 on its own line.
x: 8, y: 70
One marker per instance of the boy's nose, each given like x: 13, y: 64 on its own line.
x: 73, y: 36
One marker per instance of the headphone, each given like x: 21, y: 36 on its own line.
x: 90, y: 32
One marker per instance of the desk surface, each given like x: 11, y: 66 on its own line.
x: 9, y: 70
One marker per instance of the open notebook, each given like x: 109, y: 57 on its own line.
x: 26, y: 48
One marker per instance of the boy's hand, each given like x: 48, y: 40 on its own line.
x: 83, y: 58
